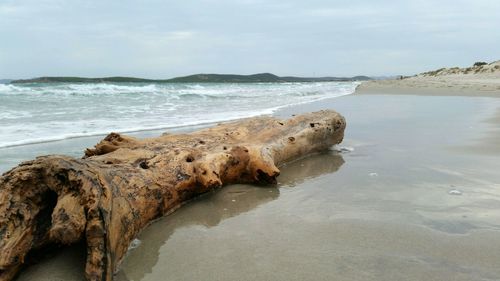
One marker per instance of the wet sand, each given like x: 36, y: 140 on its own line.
x: 488, y: 143
x: 413, y: 194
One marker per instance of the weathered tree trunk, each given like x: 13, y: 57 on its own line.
x: 124, y: 183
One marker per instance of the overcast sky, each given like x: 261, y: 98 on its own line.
x: 161, y: 39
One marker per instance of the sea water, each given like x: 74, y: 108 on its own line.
x: 42, y: 113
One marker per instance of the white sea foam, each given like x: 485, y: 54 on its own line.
x: 34, y: 113
x: 9, y: 88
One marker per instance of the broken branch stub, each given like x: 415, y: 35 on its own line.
x: 124, y: 183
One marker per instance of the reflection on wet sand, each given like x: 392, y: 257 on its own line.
x: 211, y: 209
x: 312, y: 166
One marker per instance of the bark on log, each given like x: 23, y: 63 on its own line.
x: 124, y: 183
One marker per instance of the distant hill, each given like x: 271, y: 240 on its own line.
x: 5, y: 81
x: 257, y: 78
x: 226, y: 78
x: 196, y: 78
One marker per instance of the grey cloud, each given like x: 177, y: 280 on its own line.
x: 160, y: 39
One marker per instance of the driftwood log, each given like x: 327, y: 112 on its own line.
x: 124, y: 183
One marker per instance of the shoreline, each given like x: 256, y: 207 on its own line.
x: 409, y: 86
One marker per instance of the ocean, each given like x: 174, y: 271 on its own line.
x: 42, y: 113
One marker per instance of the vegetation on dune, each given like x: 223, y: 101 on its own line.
x: 476, y: 68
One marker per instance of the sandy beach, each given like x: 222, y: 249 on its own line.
x: 412, y: 193
x: 481, y: 81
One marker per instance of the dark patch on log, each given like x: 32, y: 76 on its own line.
x: 144, y: 165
